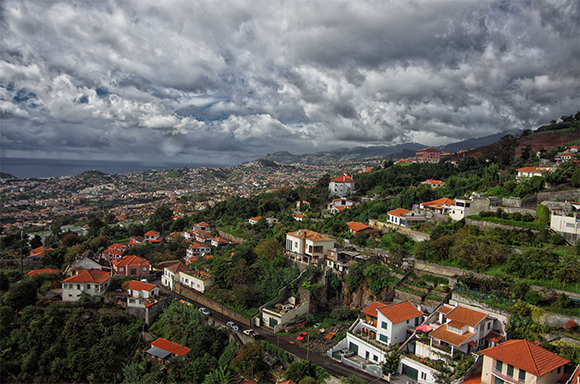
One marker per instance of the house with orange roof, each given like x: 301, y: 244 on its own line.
x: 306, y: 246
x: 434, y: 183
x: 219, y: 242
x: 162, y: 350
x: 152, y: 236
x: 141, y: 294
x: 356, y: 227
x: 441, y: 206
x: 302, y: 205
x: 341, y: 186
x: 43, y: 271
x: 404, y: 217
x: 89, y: 281
x: 202, y: 236
x: 520, y: 361
x: 254, y: 220
x: 37, y: 253
x: 339, y: 259
x: 88, y: 260
x: 111, y: 254
x: 340, y: 204
x: 460, y: 330
x: 382, y: 324
x: 297, y: 216
x: 197, y: 249
x: 131, y: 265
x: 529, y: 172
x: 203, y: 226
x: 136, y: 240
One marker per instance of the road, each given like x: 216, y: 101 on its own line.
x: 295, y: 347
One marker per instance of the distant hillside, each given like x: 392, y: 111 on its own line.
x: 477, y: 142
x: 4, y: 175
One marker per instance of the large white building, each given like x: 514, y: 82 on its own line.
x: 89, y: 281
x: 308, y: 246
x: 341, y: 186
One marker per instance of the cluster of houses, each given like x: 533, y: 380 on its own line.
x: 446, y: 333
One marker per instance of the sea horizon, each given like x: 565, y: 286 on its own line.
x: 25, y: 168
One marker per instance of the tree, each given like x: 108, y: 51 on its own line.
x: 503, y: 150
x: 220, y: 375
x: 36, y: 242
x: 543, y: 214
x: 575, y: 179
x: 392, y: 359
x: 70, y: 239
x: 300, y: 370
x: 21, y: 294
x: 249, y: 360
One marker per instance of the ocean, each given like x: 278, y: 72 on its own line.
x: 36, y: 168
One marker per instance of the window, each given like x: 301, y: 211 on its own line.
x: 367, y: 355
x: 384, y: 325
x: 131, y: 300
x: 559, y: 370
x: 510, y: 370
x: 423, y: 376
x: 144, y: 269
x: 318, y: 249
x: 384, y: 338
x: 498, y: 381
x: 88, y: 286
x: 498, y: 365
x: 375, y: 357
x: 121, y: 269
x: 522, y: 376
x: 488, y: 325
x: 78, y: 286
x: 133, y: 271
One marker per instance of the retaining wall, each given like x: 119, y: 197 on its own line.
x: 388, y: 227
x: 210, y: 304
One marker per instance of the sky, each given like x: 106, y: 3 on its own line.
x: 223, y: 82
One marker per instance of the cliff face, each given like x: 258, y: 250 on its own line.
x: 361, y: 297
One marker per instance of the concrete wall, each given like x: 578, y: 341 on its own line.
x: 570, y: 195
x: 149, y: 314
x: 387, y: 227
x: 210, y: 304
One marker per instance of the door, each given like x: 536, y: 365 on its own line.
x: 410, y: 372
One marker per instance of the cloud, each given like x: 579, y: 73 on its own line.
x: 180, y: 80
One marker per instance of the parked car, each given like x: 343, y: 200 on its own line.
x: 302, y: 336
x: 251, y: 332
x: 233, y: 326
x: 205, y: 311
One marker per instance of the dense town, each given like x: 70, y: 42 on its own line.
x: 431, y: 269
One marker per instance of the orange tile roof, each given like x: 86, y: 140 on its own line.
x: 398, y: 212
x: 178, y: 267
x: 400, y: 312
x: 140, y: 286
x: 310, y: 235
x: 256, y: 219
x: 356, y: 226
x: 152, y: 233
x: 197, y: 245
x: 441, y: 201
x: 342, y: 179
x: 466, y: 316
x: 88, y: 276
x: 443, y: 334
x: 445, y: 309
x: 531, y: 169
x: 494, y: 337
x: 527, y: 356
x: 37, y: 272
x: 118, y: 246
x: 432, y: 181
x: 371, y: 310
x: 130, y: 260
x: 473, y: 380
x: 171, y: 347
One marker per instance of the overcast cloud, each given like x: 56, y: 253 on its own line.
x: 222, y: 82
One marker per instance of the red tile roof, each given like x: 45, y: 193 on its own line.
x: 152, y: 233
x: 527, y: 356
x: 171, y: 347
x: 37, y: 272
x: 140, y: 286
x: 494, y: 337
x: 88, y: 276
x: 130, y: 260
x: 356, y: 226
x: 178, y: 267
x: 371, y: 310
x: 441, y: 201
x: 466, y: 316
x: 310, y: 235
x: 443, y: 334
x: 342, y: 179
x: 399, y: 212
x: 400, y: 312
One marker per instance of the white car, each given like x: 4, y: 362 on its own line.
x: 205, y: 311
x: 251, y: 332
x: 233, y: 326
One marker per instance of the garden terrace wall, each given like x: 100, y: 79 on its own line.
x: 210, y: 304
x: 230, y: 237
x: 488, y: 226
x: 387, y: 227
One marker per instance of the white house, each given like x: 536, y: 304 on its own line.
x: 308, y: 246
x: 139, y: 294
x: 197, y: 249
x: 89, y: 281
x: 567, y: 226
x: 404, y: 217
x: 171, y: 274
x: 384, y: 324
x: 341, y: 186
x: 529, y: 172
x: 340, y: 203
x: 199, y: 281
x: 467, y: 207
x: 462, y: 330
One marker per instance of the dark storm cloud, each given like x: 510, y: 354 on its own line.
x: 181, y: 80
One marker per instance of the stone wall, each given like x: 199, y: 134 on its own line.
x: 388, y: 227
x: 229, y: 237
x: 569, y: 195
x: 488, y: 226
x: 210, y: 304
